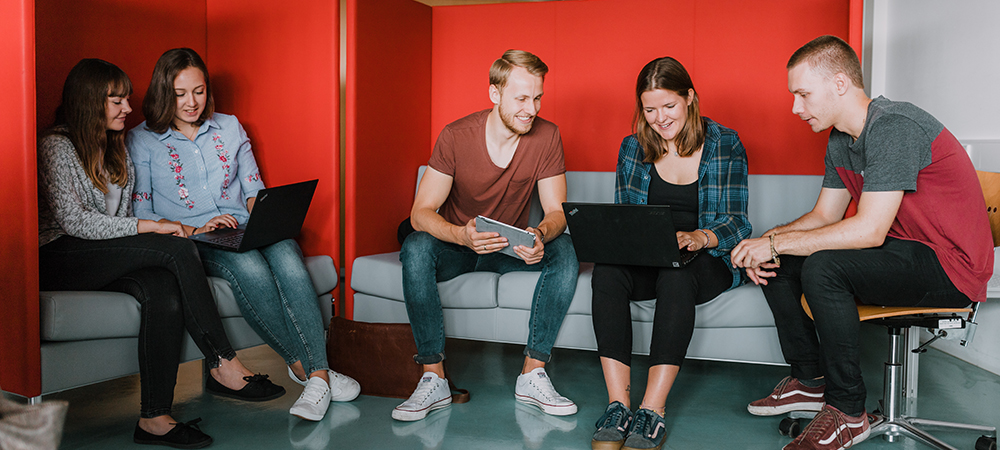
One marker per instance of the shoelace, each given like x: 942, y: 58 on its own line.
x: 255, y: 378
x: 423, y: 391
x: 641, y: 419
x: 314, y: 393
x: 546, y: 389
x: 611, y: 418
x: 189, y: 424
x: 780, y: 388
x: 825, y: 421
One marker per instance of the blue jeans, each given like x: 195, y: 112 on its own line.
x: 427, y: 261
x: 276, y: 295
x: 898, y: 273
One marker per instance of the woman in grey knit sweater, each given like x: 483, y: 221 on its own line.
x: 89, y: 240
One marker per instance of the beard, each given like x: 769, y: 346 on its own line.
x: 514, y: 127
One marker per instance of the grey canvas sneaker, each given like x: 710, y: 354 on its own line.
x: 612, y: 427
x: 648, y: 431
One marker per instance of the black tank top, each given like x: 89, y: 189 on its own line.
x: 682, y: 198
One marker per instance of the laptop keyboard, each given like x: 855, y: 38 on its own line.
x: 232, y: 240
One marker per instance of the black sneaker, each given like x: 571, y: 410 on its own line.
x: 612, y: 427
x: 257, y: 389
x: 648, y: 431
x: 183, y: 435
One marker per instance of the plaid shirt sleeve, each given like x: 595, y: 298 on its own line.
x: 723, y: 193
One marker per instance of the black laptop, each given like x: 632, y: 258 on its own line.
x: 278, y: 214
x: 638, y: 235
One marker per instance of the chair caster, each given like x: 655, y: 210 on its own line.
x: 792, y: 427
x: 986, y: 443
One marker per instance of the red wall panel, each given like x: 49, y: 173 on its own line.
x: 20, y: 370
x: 275, y: 65
x: 388, y: 120
x: 132, y: 34
x: 735, y: 51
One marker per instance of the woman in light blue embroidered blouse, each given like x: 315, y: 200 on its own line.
x: 196, y: 167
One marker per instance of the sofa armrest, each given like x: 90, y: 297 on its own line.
x: 323, y: 273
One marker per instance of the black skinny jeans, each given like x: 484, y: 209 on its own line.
x: 165, y: 275
x: 898, y: 273
x: 677, y: 291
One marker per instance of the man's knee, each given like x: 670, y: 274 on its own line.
x: 822, y: 268
x: 417, y: 247
x: 562, y: 254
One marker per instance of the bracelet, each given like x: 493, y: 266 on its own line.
x: 541, y: 235
x: 709, y: 242
x: 774, y: 254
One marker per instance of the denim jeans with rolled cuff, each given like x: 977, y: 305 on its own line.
x: 427, y: 261
x: 277, y: 298
x: 897, y: 273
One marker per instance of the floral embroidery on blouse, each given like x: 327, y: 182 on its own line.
x: 223, y: 155
x: 254, y: 177
x: 176, y: 167
x: 141, y: 196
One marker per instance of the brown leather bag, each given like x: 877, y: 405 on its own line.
x: 379, y: 356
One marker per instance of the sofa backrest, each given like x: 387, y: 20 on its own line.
x: 774, y: 199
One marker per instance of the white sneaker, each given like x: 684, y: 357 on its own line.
x: 535, y: 388
x: 342, y: 387
x: 314, y: 401
x: 432, y: 393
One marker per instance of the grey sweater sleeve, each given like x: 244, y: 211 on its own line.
x: 70, y: 200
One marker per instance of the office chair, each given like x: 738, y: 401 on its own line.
x: 900, y: 376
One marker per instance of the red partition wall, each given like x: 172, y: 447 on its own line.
x: 131, y: 34
x: 19, y: 354
x: 735, y: 51
x: 388, y: 120
x: 275, y: 65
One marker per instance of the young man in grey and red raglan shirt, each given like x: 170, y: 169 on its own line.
x: 921, y: 237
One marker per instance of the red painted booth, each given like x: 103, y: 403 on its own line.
x: 411, y: 69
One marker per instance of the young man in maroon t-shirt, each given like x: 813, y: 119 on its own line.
x: 921, y: 237
x: 488, y: 163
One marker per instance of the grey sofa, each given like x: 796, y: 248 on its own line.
x: 735, y: 326
x: 91, y: 336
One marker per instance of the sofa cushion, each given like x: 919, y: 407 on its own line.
x: 78, y: 315
x: 81, y: 315
x: 382, y: 276
x: 516, y: 290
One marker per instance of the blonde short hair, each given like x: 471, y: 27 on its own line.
x: 500, y: 70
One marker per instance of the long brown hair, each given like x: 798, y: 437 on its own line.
x: 82, y: 117
x: 160, y: 103
x: 667, y: 73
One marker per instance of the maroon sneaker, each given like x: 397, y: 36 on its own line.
x: 789, y: 395
x: 831, y: 430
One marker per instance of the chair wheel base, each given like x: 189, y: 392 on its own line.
x: 790, y: 427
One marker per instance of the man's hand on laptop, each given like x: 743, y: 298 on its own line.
x: 481, y: 243
x: 223, y: 221
x: 531, y: 255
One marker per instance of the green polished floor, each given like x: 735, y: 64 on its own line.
x: 706, y: 410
